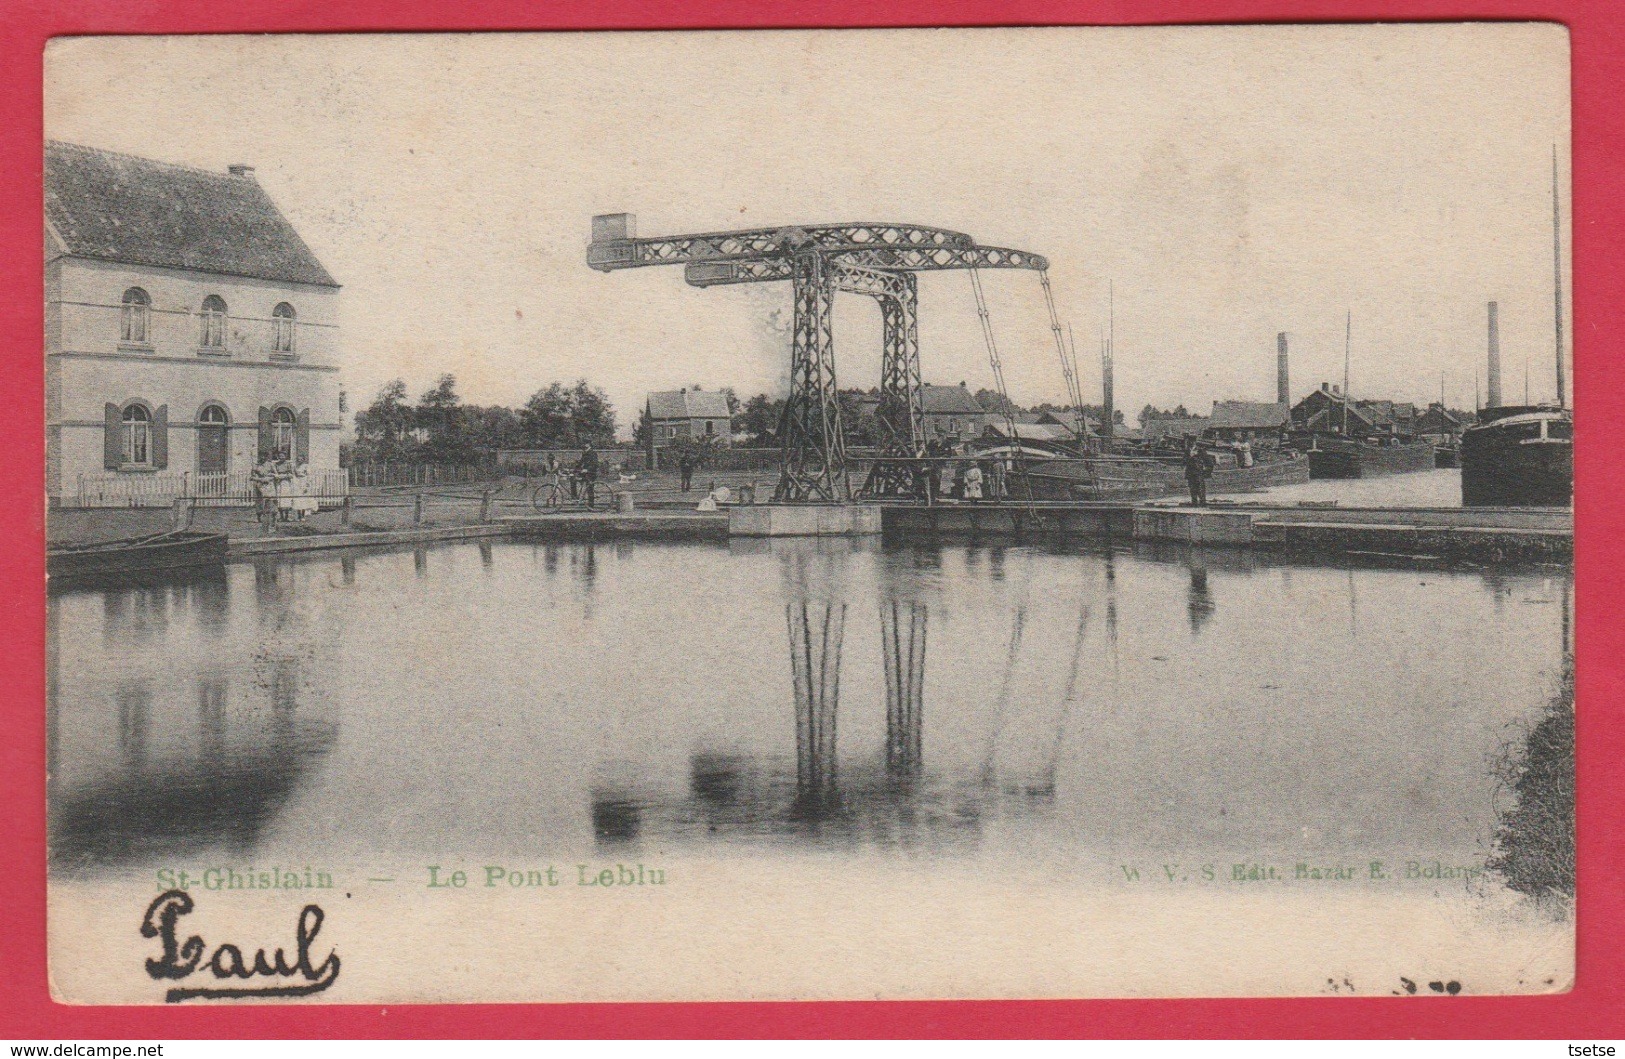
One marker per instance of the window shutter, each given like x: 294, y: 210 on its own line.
x: 265, y: 434
x: 160, y: 437
x: 113, y: 438
x: 301, y: 437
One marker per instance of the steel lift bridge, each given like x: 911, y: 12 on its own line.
x: 875, y: 260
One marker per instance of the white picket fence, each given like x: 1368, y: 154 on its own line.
x: 235, y: 489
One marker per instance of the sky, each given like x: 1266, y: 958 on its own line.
x: 1224, y: 183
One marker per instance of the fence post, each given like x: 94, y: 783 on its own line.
x: 183, y: 513
x: 344, y: 510
x: 417, y: 508
x: 485, y: 506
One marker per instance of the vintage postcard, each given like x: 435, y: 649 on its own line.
x: 1059, y: 512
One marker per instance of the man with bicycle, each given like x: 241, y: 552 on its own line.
x: 587, y: 471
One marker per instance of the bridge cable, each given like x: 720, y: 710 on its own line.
x: 998, y: 379
x: 1069, y: 372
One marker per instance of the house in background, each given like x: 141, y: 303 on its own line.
x: 1439, y: 425
x: 1154, y: 426
x: 951, y: 414
x: 1322, y: 412
x: 189, y: 331
x: 1247, y: 420
x: 698, y: 414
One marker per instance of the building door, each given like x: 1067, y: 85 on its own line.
x: 212, y: 454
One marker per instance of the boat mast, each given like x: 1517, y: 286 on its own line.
x: 1111, y: 353
x: 1348, y: 332
x: 1557, y: 283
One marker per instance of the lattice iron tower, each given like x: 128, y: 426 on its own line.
x: 874, y: 260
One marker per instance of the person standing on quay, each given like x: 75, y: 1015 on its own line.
x: 685, y: 467
x: 588, y: 468
x: 1196, y: 473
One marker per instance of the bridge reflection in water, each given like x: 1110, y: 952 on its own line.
x: 1079, y: 698
x: 883, y: 799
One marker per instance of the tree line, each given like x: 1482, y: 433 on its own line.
x: 440, y: 428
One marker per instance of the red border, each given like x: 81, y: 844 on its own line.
x: 1592, y: 1010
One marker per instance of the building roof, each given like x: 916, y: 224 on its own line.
x: 1249, y: 415
x: 1074, y: 421
x: 948, y: 400
x: 1158, y: 426
x: 1437, y: 413
x: 688, y: 404
x: 1030, y: 431
x: 117, y: 207
x: 1330, y: 419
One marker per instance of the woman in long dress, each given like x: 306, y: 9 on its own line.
x: 303, y: 502
x: 284, y: 487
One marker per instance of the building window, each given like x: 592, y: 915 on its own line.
x: 710, y: 427
x: 212, y: 332
x: 213, y: 416
x: 282, y: 328
x: 137, y: 436
x: 283, y: 426
x: 133, y: 317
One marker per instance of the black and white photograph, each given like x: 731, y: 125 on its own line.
x: 810, y: 515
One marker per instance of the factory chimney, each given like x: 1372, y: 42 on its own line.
x: 1283, y: 390
x: 1495, y: 361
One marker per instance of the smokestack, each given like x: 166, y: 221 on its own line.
x: 1283, y: 389
x: 1495, y: 361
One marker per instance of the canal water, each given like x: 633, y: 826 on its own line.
x: 1088, y: 711
x: 1425, y: 489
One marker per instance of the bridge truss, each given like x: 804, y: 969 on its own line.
x: 874, y: 260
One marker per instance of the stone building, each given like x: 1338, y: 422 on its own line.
x: 1248, y: 420
x: 189, y: 331
x: 699, y: 414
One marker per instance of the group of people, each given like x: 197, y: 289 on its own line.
x: 283, y: 487
x: 583, y: 479
x: 964, y: 479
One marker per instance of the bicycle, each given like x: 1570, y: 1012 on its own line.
x: 556, y: 496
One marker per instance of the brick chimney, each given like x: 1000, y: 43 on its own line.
x: 241, y: 170
x: 1283, y: 391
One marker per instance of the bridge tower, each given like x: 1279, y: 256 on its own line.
x: 872, y: 259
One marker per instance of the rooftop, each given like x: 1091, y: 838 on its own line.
x: 118, y: 207
x: 948, y: 400
x: 688, y: 404
x: 1249, y: 415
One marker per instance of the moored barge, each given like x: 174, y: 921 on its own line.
x: 1518, y: 456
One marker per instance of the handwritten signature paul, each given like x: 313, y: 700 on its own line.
x: 183, y: 959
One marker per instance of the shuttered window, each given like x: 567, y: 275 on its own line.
x: 283, y: 426
x: 137, y: 436
x: 284, y: 435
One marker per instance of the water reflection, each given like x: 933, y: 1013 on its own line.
x: 160, y: 749
x: 1141, y: 699
x: 815, y: 636
x: 1199, y: 604
x: 902, y: 652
